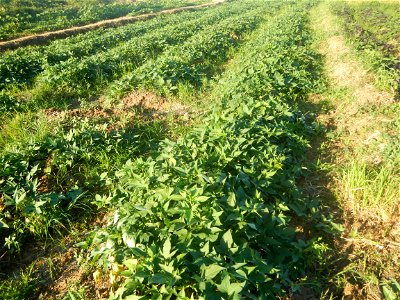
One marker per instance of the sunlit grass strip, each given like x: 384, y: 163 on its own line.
x: 371, y: 187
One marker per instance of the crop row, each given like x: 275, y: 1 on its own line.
x: 44, y: 184
x: 192, y: 62
x: 84, y: 76
x: 209, y: 216
x: 44, y: 201
x: 79, y: 77
x: 18, y: 19
x: 22, y: 65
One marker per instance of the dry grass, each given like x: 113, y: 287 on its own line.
x: 370, y: 203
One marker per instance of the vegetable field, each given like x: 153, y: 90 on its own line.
x: 180, y: 157
x: 21, y: 17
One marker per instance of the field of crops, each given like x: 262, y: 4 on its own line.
x: 21, y: 17
x: 175, y: 157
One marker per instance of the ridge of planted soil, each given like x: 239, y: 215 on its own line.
x: 46, y: 37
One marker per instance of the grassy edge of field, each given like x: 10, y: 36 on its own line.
x: 363, y: 168
x: 380, y: 62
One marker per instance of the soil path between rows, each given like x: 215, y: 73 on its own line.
x: 46, y: 37
x: 351, y: 95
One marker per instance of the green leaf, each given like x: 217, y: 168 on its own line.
x: 388, y: 293
x: 161, y: 278
x: 167, y: 268
x: 3, y: 224
x: 225, y: 285
x: 131, y: 263
x: 133, y: 297
x: 167, y: 248
x: 236, y: 288
x: 212, y: 271
x: 202, y: 198
x: 228, y: 239
x: 231, y: 200
x: 206, y: 248
x: 34, y: 170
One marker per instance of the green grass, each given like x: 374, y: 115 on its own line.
x: 21, y: 287
x: 363, y: 162
x: 371, y: 187
x: 23, y: 128
x: 372, y: 29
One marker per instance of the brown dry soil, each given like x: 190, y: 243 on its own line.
x: 68, y: 273
x: 138, y: 104
x: 46, y: 37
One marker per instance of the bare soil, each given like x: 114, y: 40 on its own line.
x: 137, y: 104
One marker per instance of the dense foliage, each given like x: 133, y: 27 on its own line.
x: 215, y: 210
x: 23, y: 65
x: 191, y: 62
x: 77, y: 77
x: 38, y: 177
x: 21, y: 17
x: 210, y: 216
x: 62, y: 72
x: 44, y: 184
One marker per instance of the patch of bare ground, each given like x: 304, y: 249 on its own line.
x: 56, y: 267
x: 72, y: 276
x: 137, y: 104
x: 370, y: 243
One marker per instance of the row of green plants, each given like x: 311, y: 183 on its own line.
x: 44, y: 184
x: 381, y: 19
x: 190, y: 64
x: 375, y: 34
x: 17, y: 19
x: 39, y: 176
x: 23, y: 65
x: 213, y: 214
x: 82, y: 77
